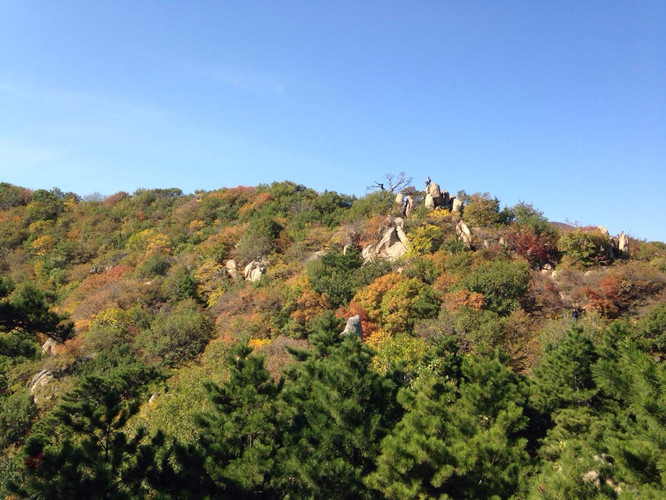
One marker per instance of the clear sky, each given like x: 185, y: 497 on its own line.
x: 561, y: 104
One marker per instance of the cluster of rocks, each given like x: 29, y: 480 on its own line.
x: 392, y: 245
x: 251, y: 272
x: 436, y: 198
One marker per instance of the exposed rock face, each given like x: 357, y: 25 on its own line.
x: 435, y: 197
x: 40, y: 379
x: 409, y: 205
x: 255, y: 270
x: 99, y: 269
x: 232, y: 271
x: 353, y: 327
x: 392, y: 245
x: 623, y: 243
x: 47, y: 347
x: 320, y: 253
x: 464, y: 234
x: 457, y: 205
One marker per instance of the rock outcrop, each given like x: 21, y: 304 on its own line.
x: 47, y: 347
x: 435, y: 197
x: 392, y: 245
x: 39, y: 380
x: 232, y: 271
x: 353, y: 327
x: 464, y: 234
x: 623, y: 243
x: 255, y: 270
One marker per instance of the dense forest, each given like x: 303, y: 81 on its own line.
x: 277, y: 342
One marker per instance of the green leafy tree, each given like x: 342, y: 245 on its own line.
x: 480, y: 209
x: 178, y: 334
x: 586, y: 248
x: 500, y: 282
x: 337, y: 275
x: 406, y: 303
x: 25, y: 311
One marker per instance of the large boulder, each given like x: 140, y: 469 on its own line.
x: 231, y: 268
x: 623, y: 243
x: 429, y: 202
x: 353, y: 327
x: 255, y: 270
x: 456, y: 205
x: 409, y: 205
x: 48, y: 346
x: 392, y: 245
x: 464, y: 234
x: 40, y: 379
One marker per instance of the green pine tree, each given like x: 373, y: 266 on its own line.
x: 240, y: 438
x: 335, y: 409
x: 82, y: 450
x: 460, y: 436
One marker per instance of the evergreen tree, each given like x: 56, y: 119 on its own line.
x: 335, y: 411
x: 25, y: 311
x: 82, y: 450
x: 239, y: 439
x: 459, y: 437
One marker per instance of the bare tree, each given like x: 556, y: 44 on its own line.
x: 392, y: 183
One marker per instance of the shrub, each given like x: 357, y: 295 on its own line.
x: 586, y: 247
x: 16, y: 414
x: 500, y: 282
x: 425, y: 240
x: 336, y: 274
x: 177, y: 335
x: 259, y: 238
x: 481, y: 210
x: 407, y: 302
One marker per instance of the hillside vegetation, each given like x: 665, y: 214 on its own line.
x: 160, y: 344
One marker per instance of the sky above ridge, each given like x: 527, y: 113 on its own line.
x: 560, y: 104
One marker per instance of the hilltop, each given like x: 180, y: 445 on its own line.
x: 489, y: 330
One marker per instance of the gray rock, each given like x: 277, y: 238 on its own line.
x: 464, y: 234
x: 391, y: 246
x: 409, y: 205
x: 47, y: 347
x: 231, y: 268
x: 255, y: 270
x: 623, y: 243
x: 429, y: 202
x: 40, y: 379
x: 457, y: 205
x: 353, y: 327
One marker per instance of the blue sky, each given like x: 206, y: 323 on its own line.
x: 561, y: 104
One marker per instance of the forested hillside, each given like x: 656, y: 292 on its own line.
x: 164, y: 344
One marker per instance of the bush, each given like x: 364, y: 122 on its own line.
x: 336, y: 275
x: 259, y: 238
x: 177, y: 335
x: 586, y: 247
x: 480, y: 209
x: 425, y: 240
x: 16, y: 414
x: 501, y: 283
x: 406, y: 303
